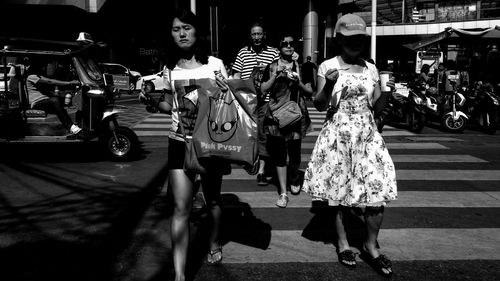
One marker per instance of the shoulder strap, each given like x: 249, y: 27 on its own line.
x: 176, y: 104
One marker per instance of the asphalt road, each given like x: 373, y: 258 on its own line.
x: 67, y: 213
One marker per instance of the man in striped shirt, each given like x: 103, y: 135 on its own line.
x: 250, y: 64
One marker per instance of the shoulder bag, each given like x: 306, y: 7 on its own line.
x: 191, y: 163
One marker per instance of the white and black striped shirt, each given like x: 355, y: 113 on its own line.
x: 247, y: 59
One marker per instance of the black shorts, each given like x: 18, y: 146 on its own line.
x: 175, y: 154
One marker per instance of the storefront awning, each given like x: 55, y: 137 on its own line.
x: 491, y: 32
x: 91, y: 6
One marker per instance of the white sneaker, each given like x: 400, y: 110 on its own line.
x: 295, y: 189
x: 282, y: 201
x: 75, y: 129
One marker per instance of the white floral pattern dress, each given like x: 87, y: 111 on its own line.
x: 350, y: 164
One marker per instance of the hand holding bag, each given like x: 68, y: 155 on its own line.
x: 226, y: 126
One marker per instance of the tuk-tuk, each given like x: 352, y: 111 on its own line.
x: 93, y: 105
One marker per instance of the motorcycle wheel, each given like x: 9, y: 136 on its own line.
x: 454, y: 126
x: 416, y: 122
x: 122, y: 147
x: 491, y: 126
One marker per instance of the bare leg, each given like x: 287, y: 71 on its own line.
x: 211, y: 189
x: 182, y: 191
x: 343, y: 244
x: 281, y: 171
x: 373, y: 221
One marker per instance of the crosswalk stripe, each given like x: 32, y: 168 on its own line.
x: 401, y: 174
x: 398, y: 244
x: 396, y: 145
x: 435, y: 138
x: 152, y: 133
x: 152, y: 126
x: 384, y: 133
x: 420, y: 158
x: 407, y: 199
x: 154, y: 120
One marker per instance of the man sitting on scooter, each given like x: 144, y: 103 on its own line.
x: 42, y: 95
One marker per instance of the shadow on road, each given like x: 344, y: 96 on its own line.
x: 78, y: 152
x: 321, y: 228
x: 61, y: 223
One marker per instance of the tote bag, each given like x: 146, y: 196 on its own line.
x: 226, y: 126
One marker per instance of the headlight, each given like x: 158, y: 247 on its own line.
x: 95, y: 92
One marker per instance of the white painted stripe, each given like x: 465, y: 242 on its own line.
x: 154, y: 120
x: 430, y: 175
x: 160, y: 115
x: 436, y: 158
x: 385, y: 133
x: 398, y: 244
x: 152, y: 133
x: 450, y: 175
x: 437, y: 138
x: 406, y: 199
x: 418, y: 145
x: 396, y: 145
x: 152, y: 126
x: 417, y: 158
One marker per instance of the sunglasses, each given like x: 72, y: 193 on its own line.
x: 284, y: 44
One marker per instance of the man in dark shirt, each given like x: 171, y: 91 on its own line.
x: 309, y: 70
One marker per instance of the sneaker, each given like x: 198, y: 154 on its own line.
x: 295, y: 189
x: 296, y: 185
x: 282, y: 201
x: 262, y: 180
x: 74, y: 129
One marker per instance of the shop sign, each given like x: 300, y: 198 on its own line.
x: 121, y: 82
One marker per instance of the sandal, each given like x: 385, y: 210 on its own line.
x: 381, y: 264
x: 214, y: 257
x: 347, y: 258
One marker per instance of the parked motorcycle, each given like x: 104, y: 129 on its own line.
x: 446, y: 108
x: 483, y: 106
x: 406, y: 111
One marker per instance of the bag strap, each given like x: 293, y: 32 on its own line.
x: 176, y: 104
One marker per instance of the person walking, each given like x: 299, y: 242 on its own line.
x: 250, y: 64
x: 350, y: 165
x: 282, y: 80
x: 309, y: 72
x: 189, y: 59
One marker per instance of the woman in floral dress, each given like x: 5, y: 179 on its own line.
x: 350, y: 165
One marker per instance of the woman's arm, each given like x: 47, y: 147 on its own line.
x: 324, y: 89
x: 268, y: 80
